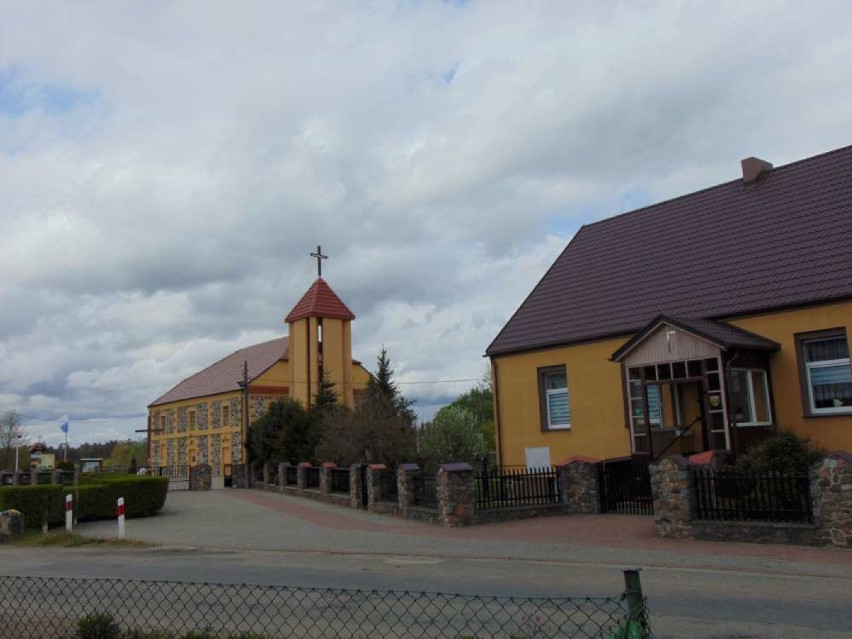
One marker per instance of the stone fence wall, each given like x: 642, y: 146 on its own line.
x: 831, y: 507
x: 455, y: 491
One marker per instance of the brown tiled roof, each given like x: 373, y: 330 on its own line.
x: 733, y: 249
x: 320, y: 301
x: 224, y: 376
x: 723, y: 335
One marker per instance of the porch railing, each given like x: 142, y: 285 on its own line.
x: 767, y: 497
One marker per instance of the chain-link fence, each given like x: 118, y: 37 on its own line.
x: 45, y: 608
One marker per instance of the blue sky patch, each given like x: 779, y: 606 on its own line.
x: 632, y: 198
x: 20, y: 95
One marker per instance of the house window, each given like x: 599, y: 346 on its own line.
x: 826, y: 373
x: 162, y: 423
x: 226, y: 416
x: 553, y: 398
x: 750, y: 397
x: 192, y: 420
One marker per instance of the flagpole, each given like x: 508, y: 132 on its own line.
x: 65, y: 454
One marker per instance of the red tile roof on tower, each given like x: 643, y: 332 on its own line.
x: 320, y: 301
x: 780, y: 240
x: 225, y: 375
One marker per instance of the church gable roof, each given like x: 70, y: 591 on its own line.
x: 226, y: 374
x: 780, y: 241
x: 320, y: 301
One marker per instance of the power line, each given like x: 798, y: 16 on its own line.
x: 97, y: 420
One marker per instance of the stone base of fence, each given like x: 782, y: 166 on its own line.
x: 513, y: 513
x: 830, y: 501
x: 456, y: 503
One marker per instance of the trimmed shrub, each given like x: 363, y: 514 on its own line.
x: 783, y: 452
x: 34, y: 502
x: 97, y: 499
x: 143, y: 496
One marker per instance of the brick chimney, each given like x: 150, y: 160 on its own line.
x: 753, y: 168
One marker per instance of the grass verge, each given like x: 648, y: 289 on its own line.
x: 64, y: 539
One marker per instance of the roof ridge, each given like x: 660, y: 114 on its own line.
x: 708, y: 188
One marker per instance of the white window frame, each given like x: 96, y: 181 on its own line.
x: 547, y: 393
x: 749, y: 390
x: 809, y: 366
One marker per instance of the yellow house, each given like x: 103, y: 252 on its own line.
x: 204, y: 418
x: 700, y: 323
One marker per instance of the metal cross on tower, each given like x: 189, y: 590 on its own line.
x: 320, y: 257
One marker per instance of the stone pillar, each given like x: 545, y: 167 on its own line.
x: 265, y: 473
x: 831, y: 498
x: 374, y: 484
x: 355, y: 485
x: 201, y: 477
x: 302, y: 475
x: 282, y: 475
x: 56, y: 477
x: 579, y: 484
x: 671, y: 487
x: 325, y: 477
x: 455, y: 494
x: 405, y: 475
x: 16, y: 478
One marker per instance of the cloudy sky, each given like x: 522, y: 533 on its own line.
x: 167, y: 167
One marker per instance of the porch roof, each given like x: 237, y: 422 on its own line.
x: 723, y: 335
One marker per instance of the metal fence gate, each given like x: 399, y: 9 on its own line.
x: 625, y: 487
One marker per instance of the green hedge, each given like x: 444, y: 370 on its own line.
x: 97, y: 498
x: 34, y: 503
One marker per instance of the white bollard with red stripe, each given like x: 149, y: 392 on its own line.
x: 120, y: 510
x: 69, y: 512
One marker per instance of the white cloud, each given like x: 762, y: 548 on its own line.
x: 176, y: 162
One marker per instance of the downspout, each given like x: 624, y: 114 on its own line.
x: 497, y: 419
x: 732, y: 420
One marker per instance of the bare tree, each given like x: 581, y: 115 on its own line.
x: 11, y: 436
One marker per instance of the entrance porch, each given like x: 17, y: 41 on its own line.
x: 692, y: 386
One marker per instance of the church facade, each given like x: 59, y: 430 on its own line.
x: 205, y: 417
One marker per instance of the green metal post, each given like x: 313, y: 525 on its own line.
x: 636, y: 601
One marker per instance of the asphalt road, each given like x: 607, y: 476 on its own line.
x: 694, y: 589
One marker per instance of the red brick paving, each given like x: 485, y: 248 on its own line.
x: 612, y: 531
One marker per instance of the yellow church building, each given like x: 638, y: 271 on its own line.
x: 205, y: 417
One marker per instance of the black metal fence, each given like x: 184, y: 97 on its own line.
x: 499, y: 487
x: 340, y: 480
x: 291, y: 475
x: 769, y: 497
x: 312, y: 477
x: 49, y: 608
x: 625, y: 487
x: 426, y: 491
x: 388, y: 487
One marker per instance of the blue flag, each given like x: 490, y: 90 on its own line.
x: 63, y: 424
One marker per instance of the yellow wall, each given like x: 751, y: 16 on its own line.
x: 337, y: 359
x: 594, y: 391
x: 299, y: 361
x: 832, y: 432
x: 185, y: 442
